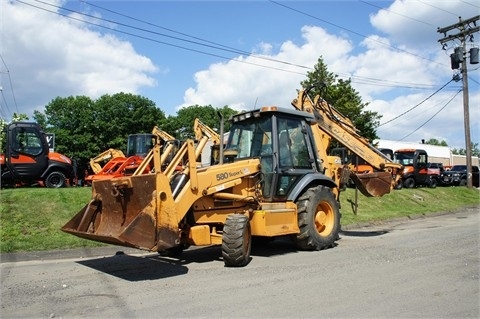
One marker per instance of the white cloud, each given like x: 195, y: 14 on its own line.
x: 393, y: 72
x: 415, y: 23
x: 394, y: 68
x: 48, y: 55
x: 242, y: 84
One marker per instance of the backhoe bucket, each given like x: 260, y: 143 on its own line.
x: 126, y: 211
x: 373, y: 184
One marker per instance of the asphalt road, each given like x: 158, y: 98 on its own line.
x: 422, y: 268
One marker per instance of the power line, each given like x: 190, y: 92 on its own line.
x: 211, y: 44
x: 431, y: 5
x: 214, y: 45
x: 473, y: 5
x: 160, y: 27
x: 377, y: 81
x: 361, y: 80
x: 424, y: 123
x: 351, y: 31
x: 7, y: 112
x: 158, y: 41
x: 414, y: 107
x: 399, y: 14
x: 11, y: 84
x: 356, y: 79
x: 473, y: 80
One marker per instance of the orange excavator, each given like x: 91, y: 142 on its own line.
x: 138, y: 147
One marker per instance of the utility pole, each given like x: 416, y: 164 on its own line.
x: 466, y: 29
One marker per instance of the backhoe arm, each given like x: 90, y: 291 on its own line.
x: 334, y: 125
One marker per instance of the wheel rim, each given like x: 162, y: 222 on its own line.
x: 324, y: 219
x: 55, y: 181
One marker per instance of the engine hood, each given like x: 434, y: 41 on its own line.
x: 54, y: 156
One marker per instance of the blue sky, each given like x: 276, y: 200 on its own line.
x: 165, y: 51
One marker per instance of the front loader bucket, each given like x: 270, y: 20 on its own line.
x: 126, y: 211
x: 373, y: 184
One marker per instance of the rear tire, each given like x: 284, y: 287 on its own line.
x: 236, y: 241
x: 399, y: 185
x: 318, y: 219
x: 409, y: 183
x: 433, y: 183
x: 55, y: 180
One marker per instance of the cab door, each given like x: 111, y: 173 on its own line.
x: 294, y: 156
x: 27, y: 151
x: 421, y: 169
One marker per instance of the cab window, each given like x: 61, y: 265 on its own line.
x: 27, y: 141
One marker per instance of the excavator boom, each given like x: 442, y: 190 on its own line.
x: 331, y: 124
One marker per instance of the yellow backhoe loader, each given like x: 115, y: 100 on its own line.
x: 273, y: 178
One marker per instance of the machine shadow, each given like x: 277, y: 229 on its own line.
x: 268, y: 247
x: 361, y: 233
x: 153, y: 266
x: 136, y: 268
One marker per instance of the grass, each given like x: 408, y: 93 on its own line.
x: 31, y: 218
x: 406, y: 203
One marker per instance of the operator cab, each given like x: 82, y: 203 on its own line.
x: 140, y: 144
x: 26, y: 156
x: 282, y: 140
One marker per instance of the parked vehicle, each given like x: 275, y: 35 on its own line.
x: 28, y: 160
x: 435, y: 168
x: 416, y: 170
x: 457, y: 176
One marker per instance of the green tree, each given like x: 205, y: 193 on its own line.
x: 117, y: 116
x: 462, y: 151
x: 181, y: 125
x: 434, y: 141
x: 84, y: 128
x: 341, y: 95
x: 3, y: 124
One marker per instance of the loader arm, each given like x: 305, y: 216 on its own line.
x: 144, y: 211
x: 169, y: 146
x: 162, y: 134
x: 332, y: 124
x: 201, y: 129
x: 104, y: 157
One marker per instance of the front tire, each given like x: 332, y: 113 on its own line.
x: 55, y: 180
x: 318, y: 219
x: 236, y: 241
